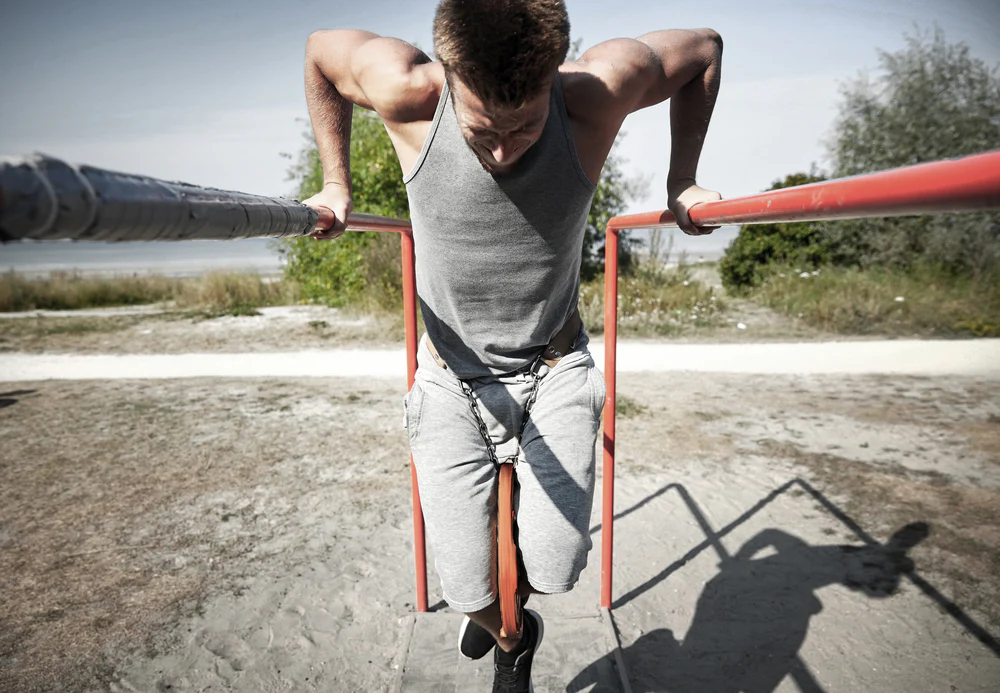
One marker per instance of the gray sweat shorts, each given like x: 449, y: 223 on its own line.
x: 555, y: 471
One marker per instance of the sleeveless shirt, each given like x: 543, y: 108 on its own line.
x: 497, y: 256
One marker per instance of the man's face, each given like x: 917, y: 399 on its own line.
x: 498, y: 136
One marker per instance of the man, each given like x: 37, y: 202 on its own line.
x: 501, y: 142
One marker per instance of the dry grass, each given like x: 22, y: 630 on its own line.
x: 652, y: 303
x: 217, y: 293
x: 920, y: 302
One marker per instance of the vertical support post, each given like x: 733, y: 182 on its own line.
x: 410, y: 327
x: 610, y: 345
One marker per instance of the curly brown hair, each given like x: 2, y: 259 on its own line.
x: 504, y: 51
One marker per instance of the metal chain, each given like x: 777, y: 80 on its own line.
x: 484, y: 431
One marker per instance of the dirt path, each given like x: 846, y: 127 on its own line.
x: 900, y: 357
x: 254, y: 534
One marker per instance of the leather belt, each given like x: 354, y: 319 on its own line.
x: 561, y: 343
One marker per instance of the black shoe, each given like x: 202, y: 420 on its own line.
x: 474, y: 641
x: 512, y: 670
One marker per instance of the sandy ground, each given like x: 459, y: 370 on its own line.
x: 774, y: 533
x: 898, y: 357
x: 152, y: 330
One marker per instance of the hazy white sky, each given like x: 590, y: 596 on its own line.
x: 211, y: 92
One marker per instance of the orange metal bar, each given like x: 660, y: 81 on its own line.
x: 410, y: 323
x: 610, y: 372
x: 371, y: 222
x: 956, y: 185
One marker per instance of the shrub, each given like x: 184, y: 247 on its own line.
x: 744, y: 264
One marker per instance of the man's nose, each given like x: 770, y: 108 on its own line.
x: 504, y: 150
x: 500, y: 151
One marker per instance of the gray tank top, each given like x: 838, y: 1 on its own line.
x: 497, y: 257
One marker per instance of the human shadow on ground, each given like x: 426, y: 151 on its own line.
x: 713, y: 540
x: 753, y: 616
x: 9, y: 398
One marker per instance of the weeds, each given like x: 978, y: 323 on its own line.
x: 922, y: 301
x: 626, y: 407
x: 654, y: 302
x: 213, y: 294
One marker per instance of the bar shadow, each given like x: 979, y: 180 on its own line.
x: 753, y: 616
x: 713, y: 537
x: 9, y: 398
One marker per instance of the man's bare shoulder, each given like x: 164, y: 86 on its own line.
x: 381, y: 73
x: 403, y: 88
x: 606, y: 82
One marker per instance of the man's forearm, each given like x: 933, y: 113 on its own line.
x: 330, y: 114
x: 690, y: 112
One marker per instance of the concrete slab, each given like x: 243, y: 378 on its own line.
x: 580, y: 655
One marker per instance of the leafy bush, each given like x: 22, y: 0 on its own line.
x: 357, y: 267
x: 654, y: 302
x: 922, y: 300
x: 758, y: 245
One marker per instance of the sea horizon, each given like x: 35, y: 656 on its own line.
x: 37, y: 259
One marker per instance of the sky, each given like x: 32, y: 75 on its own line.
x: 210, y: 92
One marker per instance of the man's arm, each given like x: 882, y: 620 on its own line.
x: 343, y: 68
x: 687, y: 70
x: 683, y: 65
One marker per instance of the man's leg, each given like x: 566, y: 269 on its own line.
x: 457, y: 485
x: 556, y: 473
x: 489, y: 618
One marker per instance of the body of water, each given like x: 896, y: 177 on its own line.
x: 172, y: 259
x: 193, y: 258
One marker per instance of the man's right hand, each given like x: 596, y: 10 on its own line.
x: 337, y: 199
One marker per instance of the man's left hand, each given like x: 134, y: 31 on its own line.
x: 683, y: 196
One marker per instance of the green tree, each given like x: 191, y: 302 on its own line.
x: 611, y: 197
x: 931, y: 100
x: 341, y: 272
x: 758, y: 245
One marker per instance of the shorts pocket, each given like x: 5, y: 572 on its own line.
x: 413, y: 404
x: 598, y: 393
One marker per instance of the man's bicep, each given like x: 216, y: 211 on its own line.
x: 625, y: 70
x: 386, y: 71
x: 366, y: 69
x: 330, y: 55
x: 678, y: 56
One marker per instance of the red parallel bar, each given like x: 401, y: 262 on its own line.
x: 410, y: 321
x: 957, y: 185
x: 372, y: 222
x: 610, y: 372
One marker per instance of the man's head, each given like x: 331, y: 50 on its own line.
x: 500, y: 57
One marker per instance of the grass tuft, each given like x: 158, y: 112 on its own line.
x: 654, y: 302
x: 213, y: 294
x: 922, y: 301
